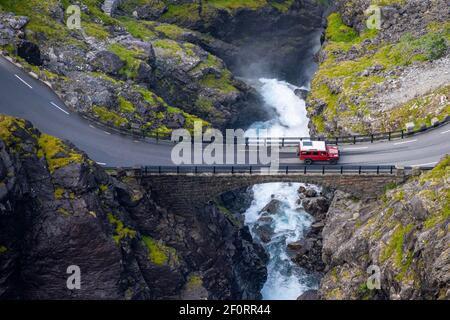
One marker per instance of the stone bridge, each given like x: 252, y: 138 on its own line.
x: 185, y: 192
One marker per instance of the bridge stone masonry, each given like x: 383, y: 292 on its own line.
x: 184, y: 193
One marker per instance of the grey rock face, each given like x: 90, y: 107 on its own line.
x: 107, y: 62
x: 56, y: 212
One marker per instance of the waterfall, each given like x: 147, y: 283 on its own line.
x: 286, y: 280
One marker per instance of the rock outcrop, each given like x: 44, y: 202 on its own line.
x: 153, y: 77
x: 58, y: 209
x: 404, y: 235
x: 378, y: 80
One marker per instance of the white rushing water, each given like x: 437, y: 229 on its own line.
x: 291, y: 116
x: 286, y: 281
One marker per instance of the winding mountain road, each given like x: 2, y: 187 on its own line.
x: 25, y: 97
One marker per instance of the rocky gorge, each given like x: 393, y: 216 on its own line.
x: 58, y: 208
x: 163, y: 64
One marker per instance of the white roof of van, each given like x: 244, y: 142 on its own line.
x: 307, y: 145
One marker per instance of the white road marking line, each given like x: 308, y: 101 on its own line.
x: 424, y: 164
x: 101, y: 163
x: 445, y: 131
x: 405, y: 142
x: 91, y: 126
x: 23, y: 81
x: 55, y: 105
x: 136, y: 141
x: 106, y: 132
x: 359, y: 148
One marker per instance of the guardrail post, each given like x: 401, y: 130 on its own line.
x: 178, y: 169
x: 399, y: 171
x: 246, y: 142
x: 392, y: 169
x: 159, y: 169
x: 251, y: 169
x: 195, y: 170
x: 337, y: 140
x: 359, y: 170
x: 342, y: 169
x: 157, y: 137
x: 282, y: 142
x: 389, y: 136
x: 304, y: 170
x: 354, y: 139
x: 287, y: 169
x: 323, y: 169
x: 232, y: 169
x: 378, y: 169
x: 403, y: 133
x: 371, y: 138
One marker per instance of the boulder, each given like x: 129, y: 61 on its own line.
x: 309, y: 295
x: 264, y: 232
x: 317, y: 207
x: 307, y: 192
x: 272, y: 207
x: 107, y: 62
x: 150, y: 11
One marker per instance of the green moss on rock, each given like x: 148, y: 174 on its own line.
x: 109, y: 116
x: 56, y: 153
x: 159, y: 253
x: 121, y: 232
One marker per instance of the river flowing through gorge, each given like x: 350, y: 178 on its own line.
x: 288, y: 222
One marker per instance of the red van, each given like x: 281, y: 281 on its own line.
x: 312, y: 151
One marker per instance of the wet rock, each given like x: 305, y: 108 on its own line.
x: 273, y: 207
x: 309, y: 295
x: 307, y: 192
x: 264, y: 231
x: 317, y: 207
x: 301, y: 93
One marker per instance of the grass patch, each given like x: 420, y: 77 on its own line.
x: 56, y: 153
x: 395, y: 245
x: 222, y: 83
x: 337, y: 31
x: 159, y: 253
x: 125, y: 106
x: 130, y: 57
x: 138, y: 29
x: 95, y: 30
x: 108, y: 116
x: 170, y: 30
x: 8, y: 126
x: 59, y: 193
x: 121, y: 232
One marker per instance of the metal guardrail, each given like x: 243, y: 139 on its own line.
x: 282, y: 170
x: 283, y: 141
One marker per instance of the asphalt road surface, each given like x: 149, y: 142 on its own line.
x: 25, y: 97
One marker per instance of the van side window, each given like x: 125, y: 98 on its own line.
x: 323, y: 153
x: 315, y: 153
x: 305, y: 153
